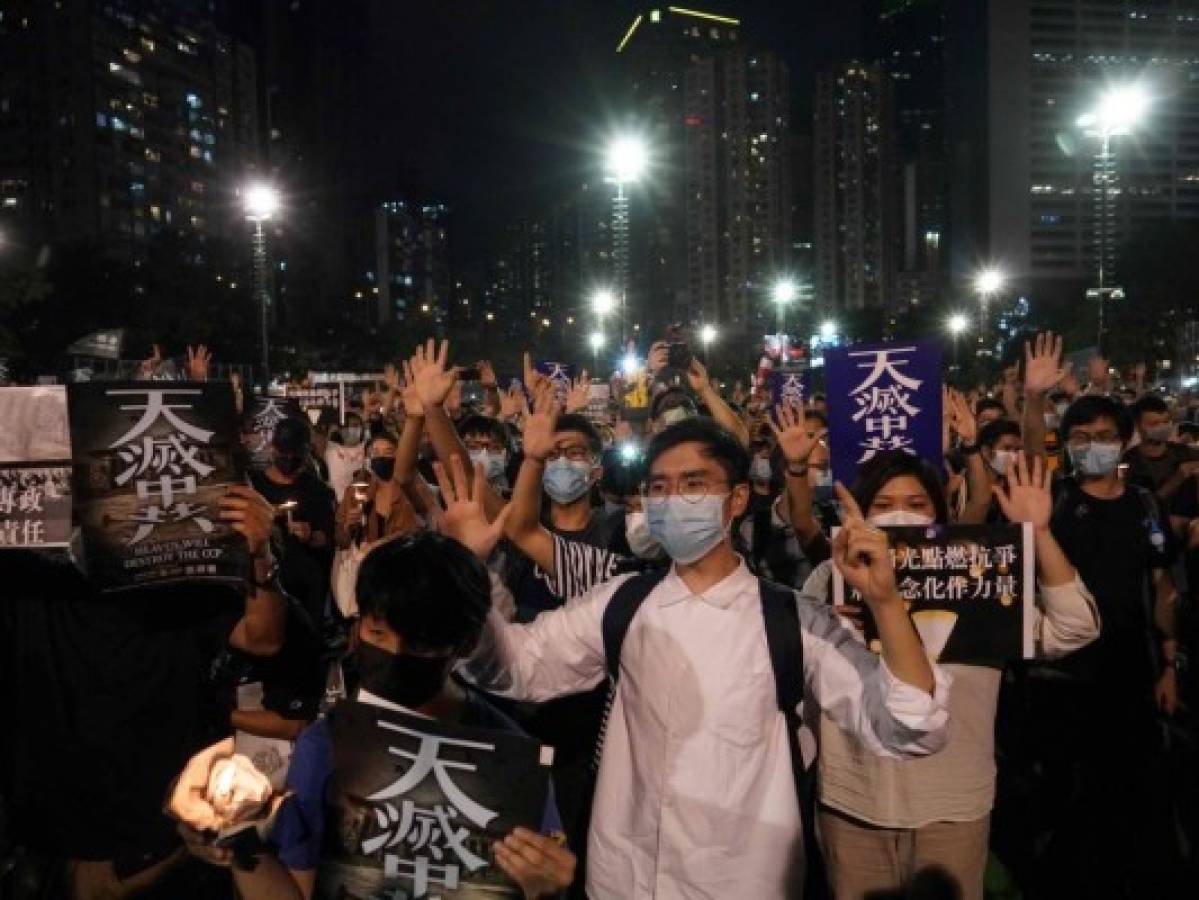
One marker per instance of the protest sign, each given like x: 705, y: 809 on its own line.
x: 151, y: 463
x: 416, y: 805
x: 883, y: 397
x: 35, y: 468
x: 559, y: 374
x: 969, y: 589
x: 790, y: 387
x: 264, y: 415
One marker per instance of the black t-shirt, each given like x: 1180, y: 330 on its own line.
x: 304, y: 570
x: 530, y: 586
x: 1153, y: 472
x: 108, y: 696
x: 1116, y: 545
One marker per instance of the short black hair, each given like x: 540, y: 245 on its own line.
x: 384, y: 435
x: 623, y: 473
x: 718, y: 443
x: 292, y: 435
x: 671, y: 398
x: 1150, y: 403
x: 817, y: 415
x: 485, y: 425
x: 432, y: 591
x: 989, y: 434
x: 1087, y: 409
x: 985, y: 403
x: 581, y: 424
x: 890, y: 464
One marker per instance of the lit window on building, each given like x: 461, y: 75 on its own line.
x: 101, y: 120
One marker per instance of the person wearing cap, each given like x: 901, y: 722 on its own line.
x: 305, y: 514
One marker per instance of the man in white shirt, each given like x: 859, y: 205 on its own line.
x: 696, y: 794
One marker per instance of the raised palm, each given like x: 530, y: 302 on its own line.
x: 795, y: 440
x: 464, y: 519
x: 1043, y: 363
x: 433, y: 379
x: 540, y: 424
x: 1027, y: 496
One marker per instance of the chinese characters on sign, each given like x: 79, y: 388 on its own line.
x: 264, y: 416
x: 969, y: 590
x: 559, y: 375
x: 894, y: 394
x: 35, y: 468
x: 421, y: 802
x: 788, y: 388
x: 151, y: 463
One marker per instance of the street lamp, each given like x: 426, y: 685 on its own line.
x: 1118, y: 112
x: 785, y: 291
x: 828, y: 330
x: 626, y: 160
x: 261, y: 202
x: 957, y: 325
x: 596, y: 340
x: 603, y: 302
x: 987, y: 284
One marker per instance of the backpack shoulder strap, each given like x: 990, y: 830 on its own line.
x: 619, y: 613
x: 784, y: 643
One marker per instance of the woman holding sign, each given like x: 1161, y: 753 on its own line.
x: 882, y: 820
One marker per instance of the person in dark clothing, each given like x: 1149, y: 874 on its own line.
x: 305, y: 509
x: 1158, y: 463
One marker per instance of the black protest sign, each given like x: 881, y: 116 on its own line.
x: 264, y: 415
x: 35, y: 468
x: 151, y: 463
x: 416, y: 805
x: 970, y: 590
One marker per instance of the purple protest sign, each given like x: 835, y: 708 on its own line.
x: 560, y: 374
x: 883, y: 397
x: 791, y: 388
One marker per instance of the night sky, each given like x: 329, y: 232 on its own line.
x: 497, y: 106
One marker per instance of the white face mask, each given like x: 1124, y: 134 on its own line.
x: 636, y: 532
x: 900, y: 517
x: 1002, y: 460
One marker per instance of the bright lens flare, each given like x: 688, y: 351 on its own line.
x: 627, y: 159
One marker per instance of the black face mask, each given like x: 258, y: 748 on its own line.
x: 400, y: 677
x: 289, y: 464
x: 384, y: 467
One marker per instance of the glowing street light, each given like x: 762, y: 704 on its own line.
x: 784, y: 291
x: 626, y: 160
x: 630, y: 365
x: 707, y: 334
x: 987, y: 284
x: 261, y: 202
x: 957, y: 324
x: 596, y: 340
x: 603, y: 302
x: 1119, y: 111
x: 828, y: 330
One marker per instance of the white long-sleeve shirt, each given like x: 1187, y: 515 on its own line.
x: 696, y: 795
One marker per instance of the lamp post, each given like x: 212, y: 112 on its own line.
x: 261, y: 202
x: 626, y: 161
x: 785, y: 291
x: 957, y: 325
x: 987, y: 284
x: 1117, y: 114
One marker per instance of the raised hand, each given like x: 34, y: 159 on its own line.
x: 580, y: 394
x: 152, y: 362
x: 487, y: 374
x: 862, y: 555
x: 697, y: 376
x: 464, y: 519
x: 512, y: 402
x: 198, y: 362
x: 533, y: 379
x: 391, y: 377
x: 659, y: 357
x: 795, y: 439
x: 1027, y: 497
x: 432, y: 378
x: 1043, y: 364
x: 250, y: 515
x: 412, y: 405
x: 540, y: 424
x: 961, y: 417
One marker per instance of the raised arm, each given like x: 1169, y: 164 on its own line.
x: 697, y: 375
x: 797, y: 443
x: 1042, y: 373
x: 260, y: 630
x: 978, y: 485
x: 434, y: 381
x: 524, y: 528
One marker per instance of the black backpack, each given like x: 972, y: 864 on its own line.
x: 785, y: 645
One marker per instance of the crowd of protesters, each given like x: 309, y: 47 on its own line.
x: 469, y: 555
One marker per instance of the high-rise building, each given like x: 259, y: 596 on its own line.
x: 412, y: 263
x: 1021, y: 74
x: 656, y: 52
x: 122, y: 120
x: 907, y: 40
x: 855, y: 190
x: 738, y: 169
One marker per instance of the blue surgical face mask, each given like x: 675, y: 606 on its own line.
x: 1096, y: 460
x: 566, y: 481
x: 687, y: 531
x: 493, y: 463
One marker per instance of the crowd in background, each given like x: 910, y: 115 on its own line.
x: 451, y: 545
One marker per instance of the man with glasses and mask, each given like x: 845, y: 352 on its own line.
x: 696, y: 793
x: 1095, y: 709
